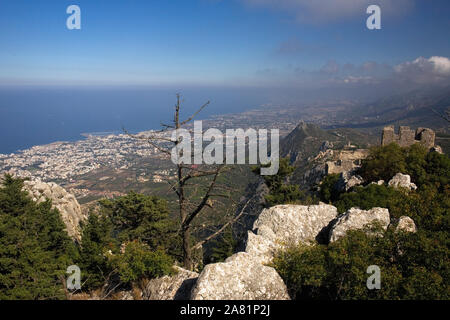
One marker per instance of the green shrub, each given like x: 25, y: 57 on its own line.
x: 281, y: 192
x: 328, y: 192
x: 412, y: 265
x: 383, y: 163
x: 137, y: 261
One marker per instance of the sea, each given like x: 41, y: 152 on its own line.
x: 33, y: 115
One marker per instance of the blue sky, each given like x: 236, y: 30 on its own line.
x: 222, y: 43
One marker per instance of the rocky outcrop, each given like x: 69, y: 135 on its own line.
x: 285, y: 225
x: 326, y: 145
x: 176, y: 287
x: 406, y: 224
x: 401, y: 180
x: 315, y: 175
x: 245, y: 275
x: 356, y: 218
x: 348, y: 180
x: 240, y: 277
x: 66, y: 203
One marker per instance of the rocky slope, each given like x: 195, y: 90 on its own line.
x: 309, y: 148
x: 62, y: 200
x: 247, y: 275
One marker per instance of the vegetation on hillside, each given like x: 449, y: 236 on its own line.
x: 413, y: 265
x: 130, y: 238
x: 281, y: 191
x: 35, y: 250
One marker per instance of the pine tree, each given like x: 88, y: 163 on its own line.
x: 35, y: 250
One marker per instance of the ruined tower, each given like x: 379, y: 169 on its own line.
x: 407, y: 137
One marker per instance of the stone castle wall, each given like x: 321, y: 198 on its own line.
x: 346, y: 160
x: 407, y: 137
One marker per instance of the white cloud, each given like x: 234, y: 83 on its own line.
x: 433, y: 71
x: 423, y: 70
x: 322, y: 11
x: 441, y: 65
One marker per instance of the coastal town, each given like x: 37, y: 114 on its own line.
x: 63, y: 161
x: 66, y: 160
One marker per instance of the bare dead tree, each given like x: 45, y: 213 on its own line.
x: 190, y: 180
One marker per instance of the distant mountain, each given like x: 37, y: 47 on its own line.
x: 413, y: 108
x: 304, y: 141
x: 307, y: 140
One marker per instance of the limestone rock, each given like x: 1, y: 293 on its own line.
x: 65, y: 202
x: 348, y: 180
x: 240, y: 277
x: 262, y: 246
x: 356, y: 218
x: 437, y: 149
x: 379, y: 182
x: 406, y: 224
x: 176, y: 287
x: 245, y: 275
x: 403, y: 181
x: 285, y: 225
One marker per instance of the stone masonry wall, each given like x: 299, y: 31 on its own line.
x: 407, y: 137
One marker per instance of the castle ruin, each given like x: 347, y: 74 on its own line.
x: 346, y: 160
x: 407, y: 137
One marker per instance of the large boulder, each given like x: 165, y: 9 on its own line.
x: 176, y: 287
x: 285, y: 225
x: 240, y: 277
x: 245, y: 275
x: 401, y: 180
x: 356, y: 218
x: 65, y: 202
